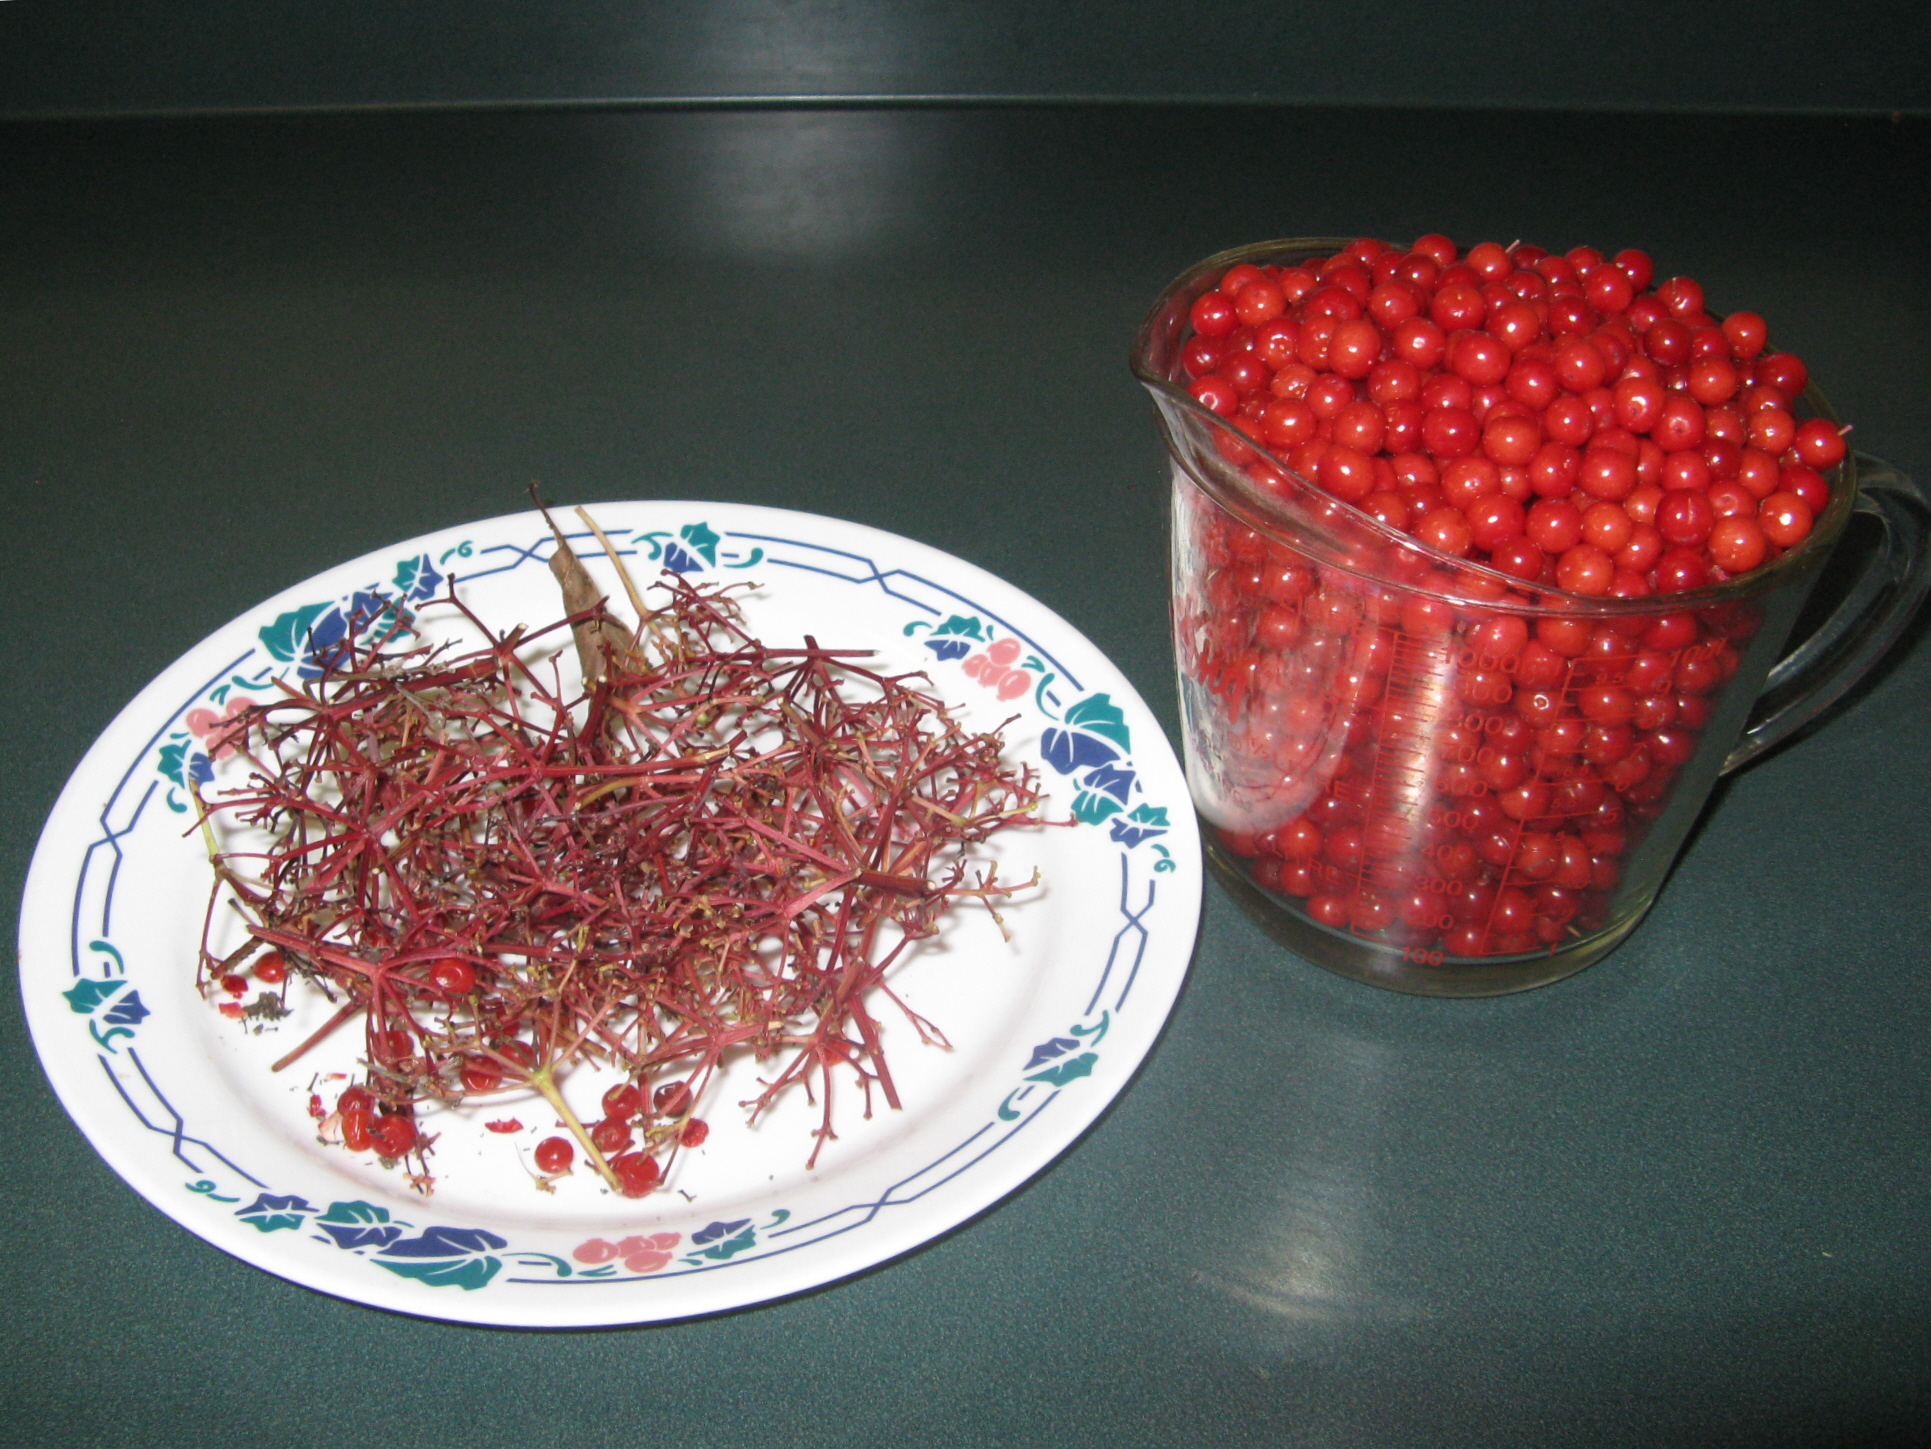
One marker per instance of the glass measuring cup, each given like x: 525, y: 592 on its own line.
x: 1427, y: 775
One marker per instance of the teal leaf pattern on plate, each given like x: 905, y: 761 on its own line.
x: 271, y: 1214
x: 359, y: 1225
x: 1090, y: 808
x: 719, y: 1241
x: 445, y: 1257
x: 87, y: 995
x: 1051, y: 1050
x: 1144, y: 823
x: 287, y: 637
x: 128, y: 1011
x: 1068, y: 1070
x: 1099, y: 714
x: 468, y: 1274
x: 701, y: 540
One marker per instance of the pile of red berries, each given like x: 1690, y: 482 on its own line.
x: 1545, y: 415
x: 1470, y: 779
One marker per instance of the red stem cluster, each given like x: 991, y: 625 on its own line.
x: 716, y: 847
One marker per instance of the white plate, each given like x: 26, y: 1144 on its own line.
x: 1045, y: 1029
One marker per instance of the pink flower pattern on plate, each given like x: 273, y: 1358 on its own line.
x: 210, y: 726
x: 993, y: 667
x: 640, y: 1254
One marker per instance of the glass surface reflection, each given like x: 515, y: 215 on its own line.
x: 809, y: 185
x: 1315, y: 1239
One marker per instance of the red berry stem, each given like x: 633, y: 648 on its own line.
x: 697, y: 857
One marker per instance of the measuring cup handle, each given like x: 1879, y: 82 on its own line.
x: 1815, y: 675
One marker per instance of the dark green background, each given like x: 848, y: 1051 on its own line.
x: 119, y: 56
x: 1681, y: 1199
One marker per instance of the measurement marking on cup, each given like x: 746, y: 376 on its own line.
x: 1401, y: 769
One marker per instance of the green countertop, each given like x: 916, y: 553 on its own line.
x: 1681, y: 1198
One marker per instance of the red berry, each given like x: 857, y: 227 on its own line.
x: 1212, y: 316
x: 1347, y: 473
x: 454, y: 976
x: 1200, y: 356
x: 1393, y: 380
x: 1494, y: 520
x: 1419, y: 342
x: 1713, y: 380
x: 271, y: 968
x: 673, y: 1099
x: 1287, y: 423
x: 1569, y: 420
x: 1784, y: 372
x: 1216, y: 394
x: 1457, y: 306
x: 637, y: 1173
x: 1532, y: 381
x: 1238, y: 276
x: 356, y: 1124
x: 1446, y: 529
x: 1276, y: 343
x: 1668, y: 341
x: 1354, y: 348
x: 1393, y: 302
x: 1360, y: 425
x: 1519, y: 558
x: 394, y: 1136
x: 1606, y: 473
x: 1579, y: 365
x: 1682, y: 296
x: 1515, y: 325
x: 1685, y: 470
x: 1638, y: 403
x: 1450, y: 432
x: 1510, y: 440
x: 1818, y: 444
x: 1327, y: 396
x: 1772, y: 430
x: 1785, y: 519
x: 1478, y: 358
x: 1585, y: 569
x: 1467, y: 479
x: 611, y: 1135
x: 1554, y: 525
x: 1606, y: 525
x: 1679, y: 569
x: 1681, y: 425
x: 1746, y: 334
x: 1259, y: 302
x: 1245, y: 373
x: 1806, y: 483
x: 1738, y: 544
x: 1685, y: 517
x: 1331, y: 304
x: 554, y: 1155
x: 519, y: 1052
x: 622, y: 1101
x: 1490, y: 261
x: 1609, y: 290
